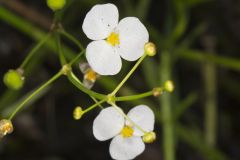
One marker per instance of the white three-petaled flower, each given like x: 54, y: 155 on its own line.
x: 127, y: 142
x: 112, y: 39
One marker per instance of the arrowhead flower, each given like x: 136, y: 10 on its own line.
x: 112, y: 39
x: 127, y: 142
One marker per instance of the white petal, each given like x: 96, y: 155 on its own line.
x: 143, y: 116
x: 133, y: 35
x: 107, y: 124
x: 126, y: 148
x: 103, y: 58
x: 100, y: 21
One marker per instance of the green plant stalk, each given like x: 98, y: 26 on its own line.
x: 209, y: 75
x: 166, y: 109
x: 184, y: 105
x: 98, y: 103
x: 76, y: 82
x: 194, y: 139
x: 134, y: 97
x: 71, y: 38
x: 59, y: 49
x: 74, y: 60
x: 201, y: 56
x: 34, y: 50
x: 128, y: 75
x: 50, y: 81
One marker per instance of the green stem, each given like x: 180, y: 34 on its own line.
x: 77, y: 58
x: 134, y: 97
x: 209, y: 73
x: 20, y: 106
x: 201, y: 56
x: 128, y: 75
x: 166, y: 109
x: 76, y: 82
x: 127, y: 118
x: 59, y: 49
x: 94, y: 106
x: 71, y: 38
x: 34, y: 50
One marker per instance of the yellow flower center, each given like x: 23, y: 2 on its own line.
x: 127, y: 132
x: 90, y: 75
x: 113, y: 39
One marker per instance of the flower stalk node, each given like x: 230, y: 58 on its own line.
x: 111, y: 99
x: 66, y: 69
x: 157, y: 91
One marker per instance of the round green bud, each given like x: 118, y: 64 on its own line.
x: 13, y: 79
x: 149, y: 137
x: 169, y: 86
x: 150, y: 49
x: 56, y: 4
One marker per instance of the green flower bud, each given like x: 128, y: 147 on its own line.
x: 56, y: 4
x: 13, y: 79
x: 150, y: 49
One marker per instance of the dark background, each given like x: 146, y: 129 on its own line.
x: 46, y: 129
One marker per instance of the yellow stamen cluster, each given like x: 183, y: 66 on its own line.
x: 6, y: 127
x: 77, y: 113
x: 150, y: 49
x: 90, y: 75
x: 149, y: 137
x: 127, y: 131
x: 113, y: 39
x: 169, y: 86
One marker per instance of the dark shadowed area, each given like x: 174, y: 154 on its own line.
x: 198, y: 45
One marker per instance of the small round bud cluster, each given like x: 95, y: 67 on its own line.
x: 149, y: 137
x: 13, y: 79
x: 150, y: 49
x: 169, y: 86
x: 6, y: 127
x: 56, y: 4
x: 78, y: 113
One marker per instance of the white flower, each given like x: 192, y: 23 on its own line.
x: 127, y: 142
x: 112, y: 39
